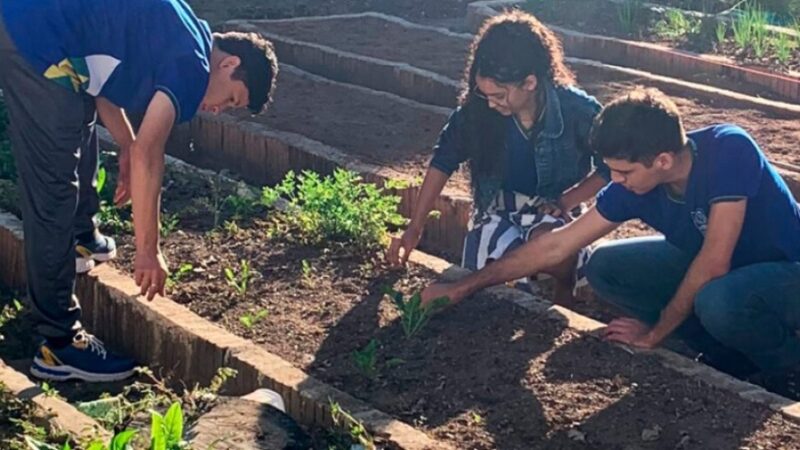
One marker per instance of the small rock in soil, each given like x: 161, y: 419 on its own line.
x: 576, y: 435
x: 651, y: 434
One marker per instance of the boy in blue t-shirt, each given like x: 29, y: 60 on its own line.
x: 64, y: 63
x: 724, y: 275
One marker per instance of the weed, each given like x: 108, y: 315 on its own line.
x: 169, y: 223
x: 9, y: 313
x: 49, y: 391
x: 336, y: 208
x: 231, y: 227
x: 308, y: 273
x: 676, y: 25
x: 784, y: 45
x: 111, y: 218
x: 101, y: 179
x: 721, y: 31
x: 356, y: 429
x: 249, y: 320
x: 413, y: 315
x: 176, y: 276
x: 628, y: 14
x: 241, y: 207
x: 366, y: 359
x: 239, y: 280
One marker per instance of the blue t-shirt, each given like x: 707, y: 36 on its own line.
x: 728, y: 165
x: 123, y: 50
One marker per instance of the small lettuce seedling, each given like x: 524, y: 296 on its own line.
x: 249, y: 320
x: 366, y: 359
x: 239, y: 281
x: 413, y: 315
x: 176, y: 276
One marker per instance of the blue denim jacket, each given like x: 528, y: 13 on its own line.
x: 561, y: 153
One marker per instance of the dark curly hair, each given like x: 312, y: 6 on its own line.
x: 508, y: 48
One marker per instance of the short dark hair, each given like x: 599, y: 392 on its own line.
x: 259, y: 65
x: 637, y: 126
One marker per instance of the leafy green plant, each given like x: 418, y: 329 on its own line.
x: 176, y: 276
x: 366, y: 359
x: 307, y: 271
x: 101, y: 179
x: 9, y: 313
x: 356, y: 429
x: 169, y: 223
x: 676, y: 25
x: 8, y: 169
x: 413, y: 315
x: 784, y: 45
x: 241, y: 207
x: 48, y: 390
x: 240, y: 279
x: 110, y: 218
x: 166, y: 432
x: 339, y: 207
x: 231, y: 227
x: 721, y: 32
x: 628, y: 12
x: 249, y: 320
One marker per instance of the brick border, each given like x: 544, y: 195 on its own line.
x: 58, y: 415
x: 651, y: 57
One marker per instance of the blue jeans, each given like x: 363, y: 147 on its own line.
x: 753, y: 311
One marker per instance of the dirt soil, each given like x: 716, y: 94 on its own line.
x: 603, y: 18
x: 483, y: 375
x: 216, y: 11
x: 446, y: 56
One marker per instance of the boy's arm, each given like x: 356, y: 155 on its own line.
x: 545, y: 251
x: 713, y: 261
x: 584, y: 190
x: 116, y: 122
x: 147, y: 170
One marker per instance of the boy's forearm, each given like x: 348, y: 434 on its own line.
x: 115, y: 121
x: 584, y: 190
x: 147, y: 170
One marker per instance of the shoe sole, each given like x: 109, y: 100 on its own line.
x: 65, y: 373
x: 85, y: 264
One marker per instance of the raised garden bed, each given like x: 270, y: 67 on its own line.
x: 484, y: 375
x: 600, y: 30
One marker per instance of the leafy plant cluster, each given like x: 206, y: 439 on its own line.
x: 338, y: 207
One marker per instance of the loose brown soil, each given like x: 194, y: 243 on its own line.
x: 217, y: 11
x: 446, y: 55
x: 484, y: 375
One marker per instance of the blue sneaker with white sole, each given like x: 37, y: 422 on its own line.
x: 100, y: 248
x: 84, y: 359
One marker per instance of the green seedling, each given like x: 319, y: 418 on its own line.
x: 721, y: 31
x: 628, y: 15
x: 241, y: 207
x: 413, y: 315
x: 49, y: 391
x: 109, y: 217
x: 676, y: 25
x: 169, y: 223
x: 101, y: 179
x: 249, y: 320
x: 784, y: 45
x: 307, y: 273
x: 176, y: 276
x: 239, y: 280
x: 366, y: 359
x: 9, y: 313
x: 231, y: 227
x: 356, y: 429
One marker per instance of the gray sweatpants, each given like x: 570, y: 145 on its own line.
x: 55, y: 147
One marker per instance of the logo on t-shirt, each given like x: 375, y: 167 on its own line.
x: 700, y: 220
